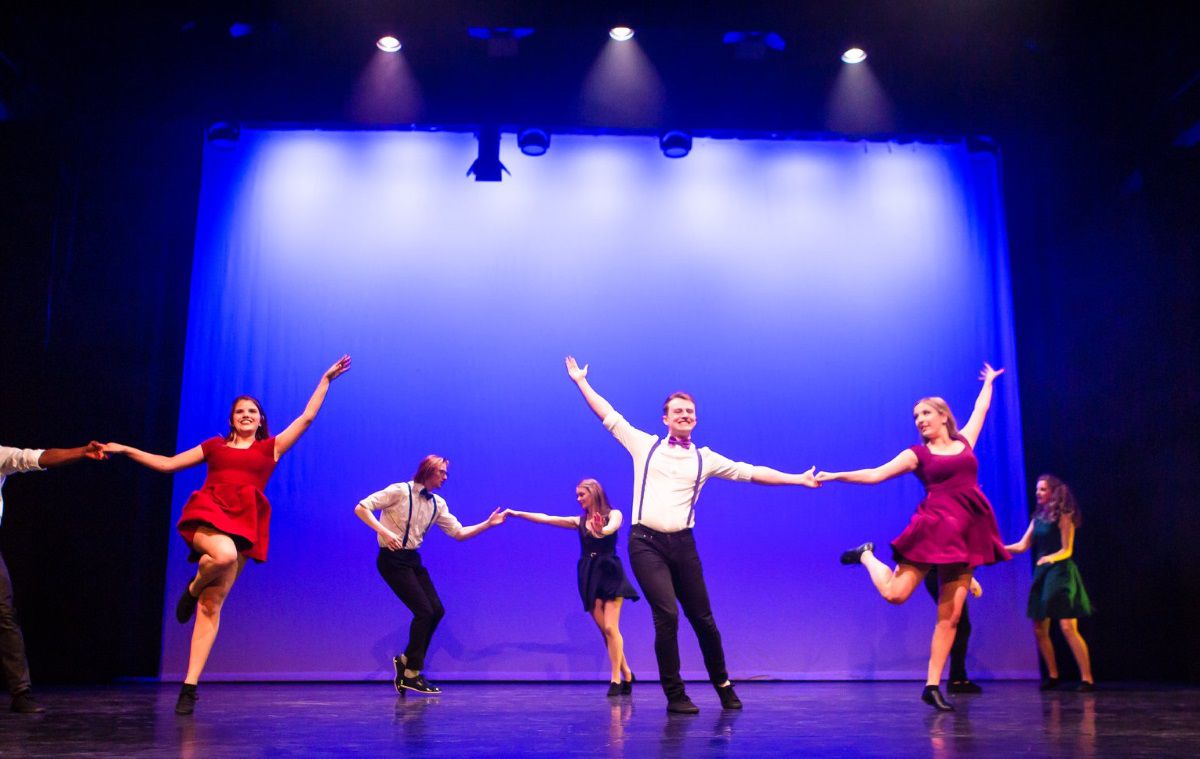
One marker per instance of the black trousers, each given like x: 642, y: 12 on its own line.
x: 958, y: 650
x: 667, y: 567
x: 409, y: 580
x: 13, y: 663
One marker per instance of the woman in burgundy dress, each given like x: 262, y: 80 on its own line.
x: 953, y: 530
x: 226, y: 521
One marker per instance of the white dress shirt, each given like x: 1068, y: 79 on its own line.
x: 15, y: 460
x: 394, y: 503
x: 674, y: 475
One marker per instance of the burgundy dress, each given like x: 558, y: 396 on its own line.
x: 231, y: 498
x: 955, y: 523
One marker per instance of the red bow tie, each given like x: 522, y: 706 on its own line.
x: 685, y: 444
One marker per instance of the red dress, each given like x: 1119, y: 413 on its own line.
x: 231, y: 498
x: 955, y: 523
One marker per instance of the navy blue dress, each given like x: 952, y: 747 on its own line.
x: 600, y: 572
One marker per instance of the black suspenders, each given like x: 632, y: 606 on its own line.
x: 431, y: 519
x: 695, y: 488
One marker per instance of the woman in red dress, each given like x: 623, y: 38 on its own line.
x: 227, y: 520
x: 953, y: 530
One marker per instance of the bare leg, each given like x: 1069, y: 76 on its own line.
x: 616, y: 642
x: 1041, y: 631
x: 952, y: 594
x: 894, y: 585
x: 1070, y: 631
x: 223, y: 566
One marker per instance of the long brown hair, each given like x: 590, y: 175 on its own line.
x: 939, y: 405
x: 600, y: 503
x: 1061, y: 503
x: 259, y: 434
x: 428, y: 466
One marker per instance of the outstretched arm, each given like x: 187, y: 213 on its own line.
x: 571, y: 523
x: 52, y: 457
x: 1066, y: 529
x: 496, y: 518
x: 166, y: 464
x: 971, y: 429
x: 1022, y: 545
x: 286, y: 439
x: 765, y: 475
x: 595, y: 401
x: 902, y: 464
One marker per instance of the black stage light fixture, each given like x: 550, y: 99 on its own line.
x: 675, y: 144
x: 533, y: 141
x: 487, y: 166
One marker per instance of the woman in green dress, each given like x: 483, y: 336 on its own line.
x: 1057, y: 591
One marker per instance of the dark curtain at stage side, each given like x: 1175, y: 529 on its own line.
x: 807, y: 292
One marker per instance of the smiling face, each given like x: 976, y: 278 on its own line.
x: 584, y: 496
x: 931, y: 422
x: 680, y: 417
x: 246, y: 419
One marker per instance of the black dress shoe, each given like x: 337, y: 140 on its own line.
x: 682, y: 705
x: 729, y: 699
x: 185, y: 607
x: 186, y: 704
x: 398, y: 665
x: 23, y: 703
x: 1050, y: 683
x: 614, y: 689
x: 627, y: 686
x: 932, y: 696
x: 963, y: 686
x: 854, y: 555
x: 1085, y: 687
x: 420, y: 685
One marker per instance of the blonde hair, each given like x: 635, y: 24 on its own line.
x: 600, y: 503
x: 939, y: 405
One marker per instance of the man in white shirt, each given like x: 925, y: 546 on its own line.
x: 13, y: 663
x: 667, y: 478
x: 407, y: 512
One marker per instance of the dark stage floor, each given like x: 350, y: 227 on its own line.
x: 476, y: 719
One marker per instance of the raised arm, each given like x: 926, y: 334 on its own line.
x: 571, y: 523
x: 497, y: 517
x: 765, y: 475
x: 595, y: 401
x: 902, y: 464
x: 1022, y: 545
x: 1066, y: 530
x: 971, y: 429
x: 52, y: 457
x: 166, y: 464
x: 286, y: 439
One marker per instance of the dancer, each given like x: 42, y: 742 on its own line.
x: 602, y: 582
x: 226, y: 521
x: 1057, y: 591
x: 667, y: 477
x: 13, y: 663
x: 953, y: 530
x: 409, y: 510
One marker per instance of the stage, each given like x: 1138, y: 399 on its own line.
x: 883, y: 719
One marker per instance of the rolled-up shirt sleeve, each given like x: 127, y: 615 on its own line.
x: 15, y: 460
x: 381, y: 499
x: 717, y: 465
x: 448, y: 522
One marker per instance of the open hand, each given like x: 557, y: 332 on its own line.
x: 498, y: 516
x: 340, y: 367
x: 987, y: 374
x: 573, y: 370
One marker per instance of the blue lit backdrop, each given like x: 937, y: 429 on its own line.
x: 807, y: 293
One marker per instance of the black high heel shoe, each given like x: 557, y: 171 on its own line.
x: 932, y: 696
x: 854, y: 555
x: 627, y: 686
x: 614, y: 689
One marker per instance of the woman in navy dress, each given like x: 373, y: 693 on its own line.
x: 1057, y: 591
x: 953, y: 530
x: 601, y: 578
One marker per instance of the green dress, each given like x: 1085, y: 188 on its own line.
x: 1057, y: 591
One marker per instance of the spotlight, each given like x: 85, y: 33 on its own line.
x: 675, y: 144
x: 240, y: 29
x: 388, y: 44
x: 854, y: 55
x: 621, y: 33
x: 533, y: 141
x: 487, y: 166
